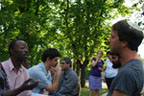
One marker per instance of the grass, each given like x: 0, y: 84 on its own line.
x: 85, y: 92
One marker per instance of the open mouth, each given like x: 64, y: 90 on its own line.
x: 25, y: 56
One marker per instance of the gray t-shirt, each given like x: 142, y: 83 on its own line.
x: 129, y: 79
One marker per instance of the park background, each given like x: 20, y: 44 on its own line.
x: 77, y: 28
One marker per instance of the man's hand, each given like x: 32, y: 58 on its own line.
x: 28, y: 86
x: 23, y: 87
x: 57, y: 69
x: 52, y: 88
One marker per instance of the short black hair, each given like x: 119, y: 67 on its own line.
x: 67, y: 60
x: 50, y: 53
x: 128, y: 33
x: 108, y: 53
x: 12, y: 45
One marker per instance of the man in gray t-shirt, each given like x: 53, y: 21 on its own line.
x: 124, y: 41
x: 126, y: 79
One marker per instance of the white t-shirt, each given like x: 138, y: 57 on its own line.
x: 110, y: 72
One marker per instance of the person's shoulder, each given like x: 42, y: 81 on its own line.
x: 135, y: 62
x: 94, y: 58
x: 139, y: 63
x: 107, y: 60
x: 1, y: 70
x: 102, y: 61
x: 34, y: 69
x: 135, y: 65
x: 74, y: 73
x: 5, y: 63
x: 35, y: 72
x: 126, y: 72
x: 133, y: 68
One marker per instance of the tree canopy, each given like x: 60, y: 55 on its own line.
x: 77, y: 28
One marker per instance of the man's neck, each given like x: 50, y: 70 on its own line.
x: 66, y: 69
x: 46, y: 66
x: 128, y: 55
x: 16, y: 63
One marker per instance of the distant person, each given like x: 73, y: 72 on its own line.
x: 116, y: 61
x: 14, y: 78
x: 110, y: 72
x: 68, y: 84
x: 124, y: 41
x: 95, y: 78
x: 42, y: 73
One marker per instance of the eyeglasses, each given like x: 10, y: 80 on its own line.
x: 63, y: 63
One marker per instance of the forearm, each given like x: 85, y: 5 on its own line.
x: 94, y: 63
x: 56, y: 82
x: 101, y: 68
x: 53, y: 87
x: 14, y: 92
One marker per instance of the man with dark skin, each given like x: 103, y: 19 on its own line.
x: 14, y: 77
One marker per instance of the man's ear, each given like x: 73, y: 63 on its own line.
x: 48, y: 59
x: 11, y: 51
x: 69, y: 65
x: 124, y: 43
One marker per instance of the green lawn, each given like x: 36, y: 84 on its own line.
x: 85, y: 92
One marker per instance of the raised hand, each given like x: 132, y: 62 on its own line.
x: 29, y: 86
x: 25, y: 86
x: 56, y: 69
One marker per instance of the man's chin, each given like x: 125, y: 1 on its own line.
x: 24, y: 58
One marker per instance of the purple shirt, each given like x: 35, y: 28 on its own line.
x: 16, y: 78
x: 95, y: 71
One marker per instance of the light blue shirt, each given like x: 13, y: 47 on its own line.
x: 38, y: 72
x: 110, y: 71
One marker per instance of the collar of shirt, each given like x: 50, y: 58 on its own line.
x: 12, y: 66
x: 43, y: 68
x: 65, y: 73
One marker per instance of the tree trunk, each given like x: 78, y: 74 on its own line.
x: 83, y: 73
x: 78, y: 63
